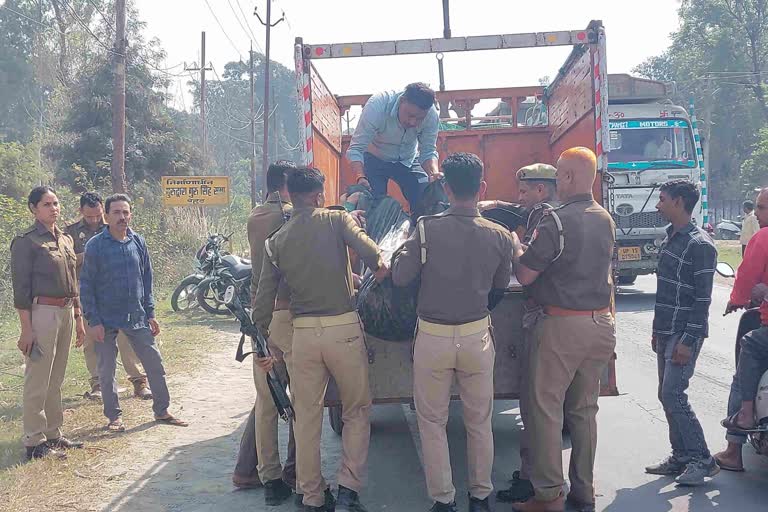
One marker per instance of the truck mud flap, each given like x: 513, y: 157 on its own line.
x: 608, y: 386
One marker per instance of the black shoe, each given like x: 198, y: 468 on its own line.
x: 328, y: 506
x: 276, y: 492
x: 478, y: 505
x: 62, y: 443
x: 348, y: 501
x: 521, y: 490
x: 43, y: 450
x: 443, y: 507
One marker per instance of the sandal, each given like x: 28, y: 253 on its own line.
x: 731, y: 423
x: 172, y: 420
x: 726, y: 467
x: 116, y: 426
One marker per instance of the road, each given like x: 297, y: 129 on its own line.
x: 632, y: 434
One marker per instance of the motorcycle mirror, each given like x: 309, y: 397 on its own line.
x: 725, y: 270
x: 229, y: 295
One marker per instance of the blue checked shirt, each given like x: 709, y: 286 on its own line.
x: 380, y: 133
x: 116, y: 282
x: 684, y: 284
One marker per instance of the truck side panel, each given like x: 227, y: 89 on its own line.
x: 326, y: 135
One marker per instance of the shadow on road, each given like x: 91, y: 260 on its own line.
x: 630, y: 300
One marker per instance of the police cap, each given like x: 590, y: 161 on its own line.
x: 538, y: 172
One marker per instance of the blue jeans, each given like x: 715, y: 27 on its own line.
x: 685, y: 433
x: 144, y: 345
x: 753, y: 362
x: 411, y: 180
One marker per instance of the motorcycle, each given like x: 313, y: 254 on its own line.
x: 749, y: 321
x: 728, y: 229
x: 184, y: 297
x: 225, y: 270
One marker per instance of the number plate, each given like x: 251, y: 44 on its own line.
x: 629, y: 254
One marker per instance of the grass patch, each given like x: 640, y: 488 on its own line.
x: 184, y: 341
x: 729, y: 252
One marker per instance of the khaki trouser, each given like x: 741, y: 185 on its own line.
x: 131, y: 363
x: 281, y: 334
x: 322, y: 350
x: 566, y: 360
x: 525, y: 435
x: 43, y: 415
x: 439, y: 355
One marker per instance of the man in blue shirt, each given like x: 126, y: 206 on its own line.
x: 116, y: 285
x: 384, y: 145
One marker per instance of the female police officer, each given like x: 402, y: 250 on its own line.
x: 43, y: 271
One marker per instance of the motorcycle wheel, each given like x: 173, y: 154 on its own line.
x: 209, y: 302
x: 184, y: 297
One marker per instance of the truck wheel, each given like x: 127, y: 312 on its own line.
x: 334, y: 417
x: 626, y: 280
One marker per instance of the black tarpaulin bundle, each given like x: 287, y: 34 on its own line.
x: 388, y: 312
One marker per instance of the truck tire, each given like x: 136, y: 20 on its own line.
x: 334, y: 418
x: 626, y: 280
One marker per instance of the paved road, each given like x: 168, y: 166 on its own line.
x: 632, y: 434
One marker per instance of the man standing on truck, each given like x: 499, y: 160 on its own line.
x: 392, y: 126
x: 454, y: 335
x: 310, y: 252
x: 567, y: 270
x: 680, y: 325
x: 259, y: 459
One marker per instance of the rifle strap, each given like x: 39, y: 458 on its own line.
x: 240, y: 355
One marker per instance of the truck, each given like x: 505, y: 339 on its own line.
x: 537, y: 124
x: 651, y: 141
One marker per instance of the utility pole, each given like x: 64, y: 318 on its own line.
x: 203, y: 95
x: 265, y: 147
x: 253, y: 133
x: 275, y: 134
x: 118, y: 103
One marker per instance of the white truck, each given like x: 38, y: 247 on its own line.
x: 651, y: 142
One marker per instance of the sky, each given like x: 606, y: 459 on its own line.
x: 633, y: 35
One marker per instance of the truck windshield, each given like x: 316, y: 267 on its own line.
x: 650, y: 143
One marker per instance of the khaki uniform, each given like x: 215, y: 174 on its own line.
x: 310, y: 253
x: 81, y: 233
x: 572, y: 247
x: 460, y: 257
x: 43, y: 266
x: 262, y: 222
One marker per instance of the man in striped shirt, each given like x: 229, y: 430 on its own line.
x: 680, y: 324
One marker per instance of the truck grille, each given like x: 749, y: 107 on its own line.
x: 640, y: 220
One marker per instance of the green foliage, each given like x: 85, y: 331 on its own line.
x: 19, y: 169
x: 754, y: 170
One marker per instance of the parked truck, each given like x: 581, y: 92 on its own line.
x: 536, y: 125
x: 651, y: 141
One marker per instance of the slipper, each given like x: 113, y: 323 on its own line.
x: 116, y: 426
x: 726, y: 467
x: 731, y: 424
x: 172, y: 420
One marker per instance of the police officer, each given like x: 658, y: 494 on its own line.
x: 91, y: 223
x: 45, y: 294
x: 259, y: 458
x: 460, y: 257
x: 567, y: 269
x: 311, y: 253
x: 537, y: 193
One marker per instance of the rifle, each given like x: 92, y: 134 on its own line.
x: 277, y: 387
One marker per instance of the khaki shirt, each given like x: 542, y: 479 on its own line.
x: 466, y: 256
x: 310, y: 253
x: 580, y: 278
x: 81, y: 233
x: 43, y: 264
x: 262, y: 222
x: 749, y: 227
x: 534, y: 217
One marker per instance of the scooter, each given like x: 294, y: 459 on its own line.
x: 728, y: 229
x: 750, y: 320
